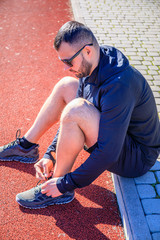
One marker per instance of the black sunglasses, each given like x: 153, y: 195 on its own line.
x: 68, y: 61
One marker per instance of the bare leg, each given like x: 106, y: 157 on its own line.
x: 79, y: 125
x: 63, y: 92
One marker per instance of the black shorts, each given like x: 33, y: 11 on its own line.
x: 132, y: 161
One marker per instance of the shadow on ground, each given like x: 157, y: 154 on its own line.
x: 79, y: 221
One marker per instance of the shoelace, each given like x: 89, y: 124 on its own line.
x: 36, y: 190
x: 38, y: 183
x: 18, y: 134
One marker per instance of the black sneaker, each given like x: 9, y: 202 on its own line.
x: 14, y: 152
x: 34, y: 199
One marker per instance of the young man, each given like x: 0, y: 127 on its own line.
x: 110, y: 111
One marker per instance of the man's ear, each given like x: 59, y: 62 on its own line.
x: 88, y: 50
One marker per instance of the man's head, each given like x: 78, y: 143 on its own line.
x: 77, y: 48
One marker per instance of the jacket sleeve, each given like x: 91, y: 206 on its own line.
x: 116, y: 109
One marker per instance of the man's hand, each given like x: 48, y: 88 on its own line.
x: 50, y: 188
x: 43, y: 168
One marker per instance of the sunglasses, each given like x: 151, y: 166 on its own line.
x: 68, y: 61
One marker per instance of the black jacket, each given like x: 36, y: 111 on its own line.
x: 127, y: 106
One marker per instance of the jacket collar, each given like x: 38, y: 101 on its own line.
x: 111, y: 62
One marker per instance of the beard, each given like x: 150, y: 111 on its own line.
x: 84, y: 70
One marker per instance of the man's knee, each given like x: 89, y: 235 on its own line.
x: 67, y: 88
x: 87, y: 117
x: 84, y: 113
x: 75, y: 110
x: 67, y: 83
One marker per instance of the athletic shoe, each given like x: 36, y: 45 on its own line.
x: 34, y: 199
x: 14, y: 152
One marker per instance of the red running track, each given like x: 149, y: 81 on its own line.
x: 29, y: 68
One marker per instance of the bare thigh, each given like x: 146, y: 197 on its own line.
x: 66, y: 89
x: 86, y: 115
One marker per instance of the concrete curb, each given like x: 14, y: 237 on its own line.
x: 132, y: 214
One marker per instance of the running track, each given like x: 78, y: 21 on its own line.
x: 29, y: 69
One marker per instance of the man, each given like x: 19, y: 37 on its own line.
x: 110, y: 111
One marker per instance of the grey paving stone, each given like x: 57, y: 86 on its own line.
x: 156, y: 94
x: 156, y: 166
x: 135, y: 63
x: 153, y: 54
x: 158, y: 175
x: 148, y: 58
x: 157, y: 101
x: 157, y: 58
x: 147, y: 63
x: 154, y: 223
x: 147, y: 178
x: 151, y: 206
x: 149, y: 77
x: 157, y: 78
x: 146, y: 191
x: 156, y: 236
x: 136, y: 58
x: 142, y: 67
x: 133, y: 53
x: 150, y: 82
x: 153, y: 67
x: 143, y: 72
x: 153, y: 72
x: 158, y: 189
x: 155, y: 88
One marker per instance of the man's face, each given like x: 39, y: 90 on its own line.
x: 84, y: 69
x: 80, y: 66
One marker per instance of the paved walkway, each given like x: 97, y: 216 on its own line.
x: 133, y: 26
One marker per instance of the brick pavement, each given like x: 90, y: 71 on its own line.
x: 133, y: 26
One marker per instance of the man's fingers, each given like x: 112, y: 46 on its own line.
x: 47, y: 168
x: 43, y: 169
x: 40, y: 176
x: 39, y: 173
x: 44, y: 187
x: 46, y: 171
x: 50, y: 188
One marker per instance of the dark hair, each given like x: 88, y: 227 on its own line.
x: 74, y: 32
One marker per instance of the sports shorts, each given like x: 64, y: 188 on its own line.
x: 134, y: 160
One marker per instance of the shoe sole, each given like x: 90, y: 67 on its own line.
x: 46, y: 205
x: 18, y: 159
